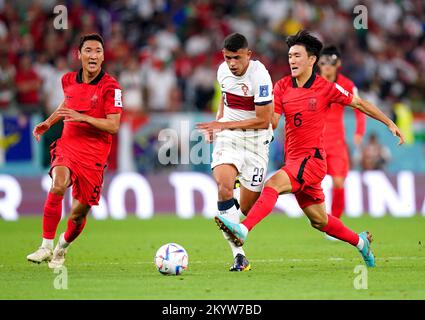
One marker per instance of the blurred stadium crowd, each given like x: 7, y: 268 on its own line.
x: 165, y: 53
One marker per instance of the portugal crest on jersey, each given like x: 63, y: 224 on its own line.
x: 245, y: 89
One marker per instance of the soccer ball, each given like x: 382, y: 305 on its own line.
x: 171, y: 259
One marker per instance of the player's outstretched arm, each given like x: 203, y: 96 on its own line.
x: 374, y: 112
x: 111, y: 124
x: 261, y: 121
x: 42, y: 127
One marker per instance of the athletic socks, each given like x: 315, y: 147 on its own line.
x: 51, y: 216
x: 336, y: 229
x: 232, y: 213
x: 62, y: 242
x: 235, y: 249
x: 360, y: 244
x: 262, y: 207
x: 338, y: 202
x: 73, y: 230
x: 47, y: 243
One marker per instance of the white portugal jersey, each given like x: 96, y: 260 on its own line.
x: 241, y: 94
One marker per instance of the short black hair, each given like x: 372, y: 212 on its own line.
x: 331, y: 51
x: 312, y: 45
x: 90, y: 36
x: 235, y: 41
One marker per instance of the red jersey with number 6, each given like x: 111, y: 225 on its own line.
x: 305, y: 111
x: 102, y: 96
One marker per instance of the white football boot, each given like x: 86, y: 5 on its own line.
x: 42, y: 254
x: 58, y: 255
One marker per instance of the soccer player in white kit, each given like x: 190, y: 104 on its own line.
x: 242, y: 134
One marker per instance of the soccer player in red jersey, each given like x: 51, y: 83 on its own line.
x: 337, y: 157
x: 305, y: 98
x: 91, y: 112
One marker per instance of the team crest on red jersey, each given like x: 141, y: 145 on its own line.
x: 245, y: 89
x: 312, y: 104
x: 93, y: 101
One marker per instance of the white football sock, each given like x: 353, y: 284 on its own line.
x: 47, y: 243
x: 360, y: 245
x: 235, y: 249
x: 233, y: 215
x: 62, y: 243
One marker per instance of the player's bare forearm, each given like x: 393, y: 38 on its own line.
x: 261, y: 121
x: 44, y: 126
x: 111, y: 124
x: 371, y: 110
x: 220, y: 109
x: 52, y: 121
x: 275, y: 120
x: 54, y: 117
x: 374, y: 112
x: 255, y: 123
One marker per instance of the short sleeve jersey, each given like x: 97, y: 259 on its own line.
x: 241, y: 94
x: 305, y: 111
x: 102, y: 96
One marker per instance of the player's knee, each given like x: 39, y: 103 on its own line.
x: 224, y: 191
x: 58, y: 188
x: 319, y: 222
x: 338, y: 182
x: 277, y: 185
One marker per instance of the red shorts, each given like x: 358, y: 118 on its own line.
x: 86, y: 182
x: 306, y: 175
x: 338, y: 162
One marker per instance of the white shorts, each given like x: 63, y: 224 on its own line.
x: 250, y: 156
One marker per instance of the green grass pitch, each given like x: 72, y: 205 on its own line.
x: 290, y: 260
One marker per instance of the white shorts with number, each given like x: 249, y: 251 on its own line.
x: 249, y: 154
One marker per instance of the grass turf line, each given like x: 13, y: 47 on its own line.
x: 290, y: 260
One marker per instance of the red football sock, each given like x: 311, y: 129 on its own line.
x: 336, y: 229
x: 51, y: 215
x: 73, y: 230
x: 338, y: 202
x: 262, y: 207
